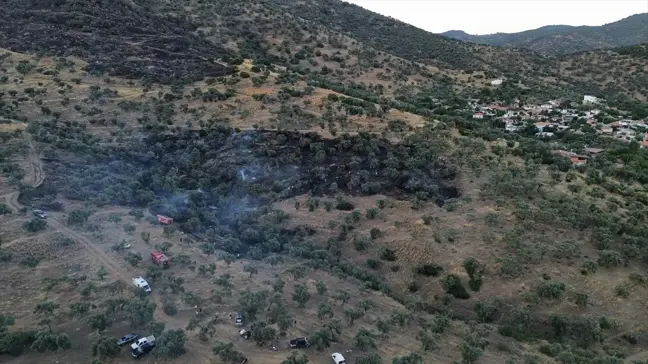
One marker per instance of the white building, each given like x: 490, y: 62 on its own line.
x: 496, y: 82
x: 587, y: 99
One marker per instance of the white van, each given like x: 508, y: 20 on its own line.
x: 338, y: 358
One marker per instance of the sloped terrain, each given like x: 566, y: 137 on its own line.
x: 115, y: 37
x: 325, y: 188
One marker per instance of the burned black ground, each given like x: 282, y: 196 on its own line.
x: 213, y: 178
x: 116, y: 37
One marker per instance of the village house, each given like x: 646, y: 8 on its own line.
x: 478, y: 115
x: 497, y: 107
x: 511, y: 125
x: 567, y: 119
x: 644, y: 142
x: 541, y: 126
x: 594, y: 151
x: 578, y: 161
x: 563, y: 153
x: 587, y: 99
x: 544, y: 134
x: 625, y: 135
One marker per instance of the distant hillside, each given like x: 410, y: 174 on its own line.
x: 563, y: 39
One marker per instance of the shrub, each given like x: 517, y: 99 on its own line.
x: 452, y: 285
x: 30, y: 261
x: 133, y: 258
x: 588, y: 267
x: 360, y: 244
x: 35, y: 225
x: 517, y: 324
x: 412, y: 286
x: 638, y: 278
x: 475, y: 271
x: 375, y: 233
x: 510, y: 266
x: 355, y: 216
x: 328, y: 205
x: 609, y: 259
x: 387, y: 254
x: 550, y: 290
x: 622, y: 291
x: 582, y: 299
x: 489, y: 311
x: 5, y: 256
x: 428, y: 270
x: 567, y: 250
x: 345, y: 205
x: 373, y: 263
x: 169, y: 308
x: 372, y: 213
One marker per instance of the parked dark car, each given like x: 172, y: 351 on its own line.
x: 40, y: 213
x: 127, y: 339
x: 300, y: 342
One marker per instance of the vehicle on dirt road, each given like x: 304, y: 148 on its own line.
x: 245, y: 334
x: 127, y: 339
x: 142, y: 283
x: 239, y: 319
x: 338, y: 358
x: 142, y: 346
x: 160, y: 259
x: 164, y: 220
x: 40, y: 213
x: 298, y: 343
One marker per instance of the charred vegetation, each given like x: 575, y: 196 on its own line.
x: 117, y: 38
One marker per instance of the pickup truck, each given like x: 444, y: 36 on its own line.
x: 142, y: 346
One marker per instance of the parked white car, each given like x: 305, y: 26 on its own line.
x: 338, y: 358
x: 141, y: 283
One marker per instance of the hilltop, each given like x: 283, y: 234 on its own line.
x: 331, y: 174
x: 565, y: 39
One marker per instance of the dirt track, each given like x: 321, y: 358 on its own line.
x: 35, y: 177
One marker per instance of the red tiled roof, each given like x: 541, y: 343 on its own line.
x: 577, y: 160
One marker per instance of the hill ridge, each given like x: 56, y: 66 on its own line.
x: 563, y: 39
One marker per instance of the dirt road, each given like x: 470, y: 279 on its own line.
x: 35, y: 177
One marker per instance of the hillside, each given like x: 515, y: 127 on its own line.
x: 327, y: 177
x: 118, y: 38
x: 564, y: 39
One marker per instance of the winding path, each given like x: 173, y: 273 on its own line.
x: 197, y: 353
